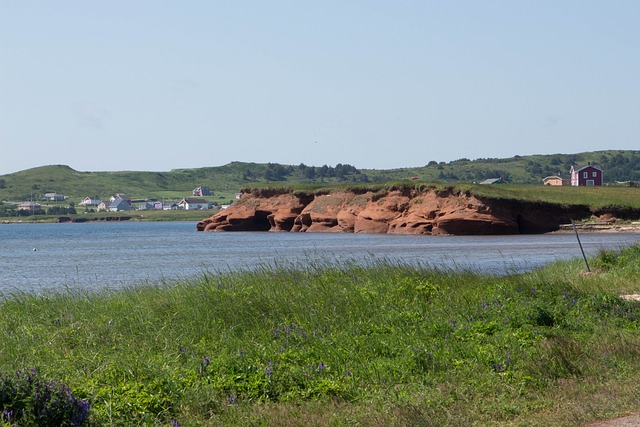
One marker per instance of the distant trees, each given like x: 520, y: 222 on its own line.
x: 621, y: 168
x: 9, y: 211
x: 60, y: 210
x: 276, y: 172
x: 339, y: 172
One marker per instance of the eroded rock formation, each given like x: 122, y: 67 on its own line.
x: 404, y: 210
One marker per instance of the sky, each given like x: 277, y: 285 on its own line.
x: 155, y: 85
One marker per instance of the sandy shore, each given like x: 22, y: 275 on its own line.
x: 601, y: 227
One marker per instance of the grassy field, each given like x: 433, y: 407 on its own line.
x: 331, y: 345
x: 594, y: 197
x: 618, y: 165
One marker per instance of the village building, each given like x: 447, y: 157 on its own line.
x: 29, y: 206
x: 146, y: 206
x: 119, y: 205
x: 553, y: 180
x: 491, y: 181
x: 55, y: 197
x: 202, y: 191
x: 194, y: 204
x: 589, y: 176
x: 90, y: 201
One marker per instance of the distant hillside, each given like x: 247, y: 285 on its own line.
x: 225, y: 180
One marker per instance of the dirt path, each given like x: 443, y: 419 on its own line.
x: 628, y: 421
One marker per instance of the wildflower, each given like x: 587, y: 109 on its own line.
x: 206, y: 361
x: 321, y: 366
x: 233, y: 398
x: 175, y: 423
x: 270, y: 369
x: 497, y: 367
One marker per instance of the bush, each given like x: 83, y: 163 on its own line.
x: 27, y: 399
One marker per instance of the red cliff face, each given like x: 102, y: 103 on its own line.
x: 402, y: 211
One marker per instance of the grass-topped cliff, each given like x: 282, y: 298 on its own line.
x: 592, y: 197
x: 315, y: 344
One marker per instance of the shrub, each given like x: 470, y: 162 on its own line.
x: 27, y: 399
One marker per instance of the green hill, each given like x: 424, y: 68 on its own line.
x: 32, y: 184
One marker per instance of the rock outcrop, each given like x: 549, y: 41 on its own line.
x: 402, y: 210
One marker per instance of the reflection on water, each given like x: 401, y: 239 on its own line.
x: 96, y: 255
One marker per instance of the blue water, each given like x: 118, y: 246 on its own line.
x: 34, y: 257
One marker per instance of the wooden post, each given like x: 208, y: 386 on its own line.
x: 580, y: 244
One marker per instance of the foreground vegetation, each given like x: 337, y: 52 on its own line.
x: 316, y: 344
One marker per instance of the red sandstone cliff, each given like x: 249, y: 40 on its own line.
x: 405, y: 210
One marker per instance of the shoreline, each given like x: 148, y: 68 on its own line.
x: 596, y: 227
x: 600, y: 227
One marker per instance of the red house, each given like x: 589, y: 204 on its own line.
x: 588, y: 176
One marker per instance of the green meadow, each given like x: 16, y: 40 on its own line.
x: 336, y: 345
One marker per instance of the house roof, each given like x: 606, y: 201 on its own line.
x: 194, y: 201
x: 491, y: 181
x: 579, y: 168
x: 117, y: 203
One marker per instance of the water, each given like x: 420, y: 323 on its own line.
x: 34, y: 257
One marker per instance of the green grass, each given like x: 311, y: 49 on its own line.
x: 594, y: 197
x: 317, y: 344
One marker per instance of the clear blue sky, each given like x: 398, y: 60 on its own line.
x: 156, y: 85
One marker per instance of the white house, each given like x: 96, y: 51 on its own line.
x: 193, y: 204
